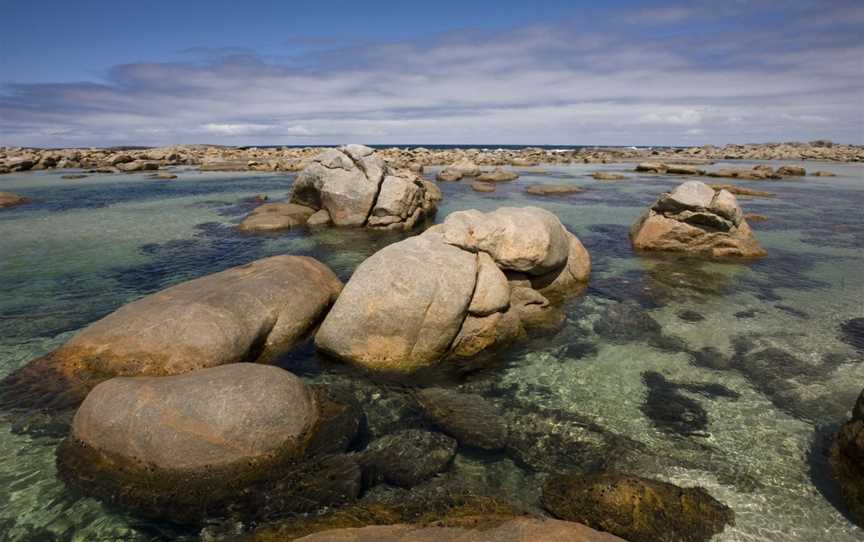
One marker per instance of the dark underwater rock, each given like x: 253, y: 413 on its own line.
x: 406, y: 458
x: 557, y: 441
x: 690, y: 316
x: 673, y: 412
x: 637, y: 509
x: 627, y: 322
x: 469, y: 418
x: 852, y: 332
x: 847, y: 461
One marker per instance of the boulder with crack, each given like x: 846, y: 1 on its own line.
x: 357, y: 188
x: 477, y: 281
x: 695, y: 219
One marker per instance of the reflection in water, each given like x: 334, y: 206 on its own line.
x: 698, y: 373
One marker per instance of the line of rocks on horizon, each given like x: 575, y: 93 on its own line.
x: 291, y: 159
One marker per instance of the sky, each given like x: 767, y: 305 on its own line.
x: 102, y: 73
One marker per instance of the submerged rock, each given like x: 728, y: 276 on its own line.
x: 275, y: 217
x: 444, y: 294
x: 246, y: 313
x: 847, y: 461
x: 406, y: 458
x: 637, y: 509
x: 694, y: 219
x: 357, y: 188
x: 8, y: 199
x: 178, y: 446
x: 469, y: 418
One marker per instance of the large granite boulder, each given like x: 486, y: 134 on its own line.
x: 847, y: 461
x: 696, y: 219
x: 357, y: 188
x: 245, y: 313
x: 637, y: 509
x: 447, y: 293
x: 190, y: 443
x: 9, y: 199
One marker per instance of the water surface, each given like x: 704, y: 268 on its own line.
x: 736, y: 393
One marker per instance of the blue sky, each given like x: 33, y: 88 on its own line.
x: 543, y: 72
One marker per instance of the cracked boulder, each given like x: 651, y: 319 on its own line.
x: 696, y: 219
x: 246, y: 313
x: 357, y: 188
x: 446, y: 294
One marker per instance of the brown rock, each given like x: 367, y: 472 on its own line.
x: 246, y: 313
x: 606, y: 176
x: 553, y: 189
x: 791, y: 171
x: 637, y: 509
x: 742, y: 191
x: 478, y: 186
x: 8, y: 199
x: 275, y: 217
x: 847, y: 461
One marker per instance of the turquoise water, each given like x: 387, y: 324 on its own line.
x: 700, y: 402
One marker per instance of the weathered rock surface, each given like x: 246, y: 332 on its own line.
x: 138, y: 165
x: 695, y: 219
x: 275, y: 217
x: 8, y: 199
x: 637, y: 509
x: 497, y: 175
x: 553, y: 189
x: 357, y: 188
x: 514, y: 530
x: 245, y: 313
x: 402, y: 307
x: 672, y: 169
x: 445, y: 294
x: 187, y: 440
x: 526, y: 239
x: 847, y: 461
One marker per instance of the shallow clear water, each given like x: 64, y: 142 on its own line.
x: 753, y: 436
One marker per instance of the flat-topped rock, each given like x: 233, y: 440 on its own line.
x: 606, y: 176
x: 246, y: 313
x: 695, y: 219
x: 553, y: 189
